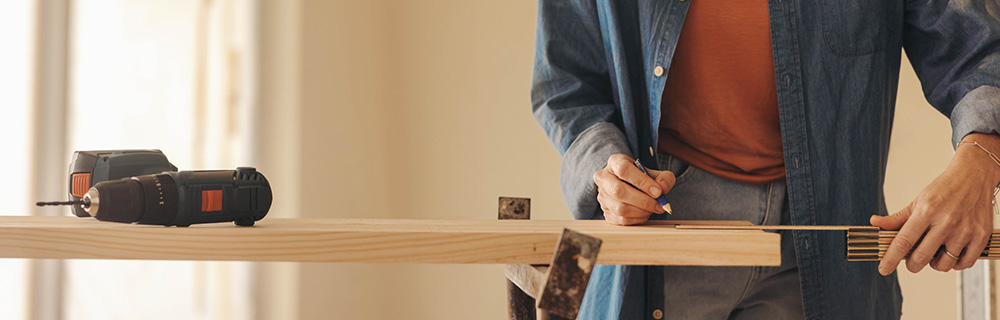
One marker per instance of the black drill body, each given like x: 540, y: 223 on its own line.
x: 89, y: 168
x: 182, y: 198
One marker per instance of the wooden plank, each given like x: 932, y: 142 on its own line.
x: 380, y: 240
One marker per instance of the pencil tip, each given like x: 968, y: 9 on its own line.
x: 668, y: 208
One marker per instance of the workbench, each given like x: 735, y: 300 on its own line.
x: 380, y: 240
x: 547, y: 262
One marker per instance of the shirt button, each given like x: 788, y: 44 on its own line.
x: 658, y: 71
x: 658, y: 314
x: 651, y: 152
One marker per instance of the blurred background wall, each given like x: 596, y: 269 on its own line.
x: 408, y: 109
x: 374, y: 109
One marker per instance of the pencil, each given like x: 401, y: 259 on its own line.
x: 663, y: 198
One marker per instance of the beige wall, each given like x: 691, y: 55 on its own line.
x: 407, y: 109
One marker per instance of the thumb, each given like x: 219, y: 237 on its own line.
x: 893, y: 221
x: 664, y: 178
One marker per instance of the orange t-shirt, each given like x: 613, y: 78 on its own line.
x: 720, y: 101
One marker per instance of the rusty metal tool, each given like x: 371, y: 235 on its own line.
x: 554, y: 291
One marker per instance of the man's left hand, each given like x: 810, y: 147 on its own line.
x: 954, y: 211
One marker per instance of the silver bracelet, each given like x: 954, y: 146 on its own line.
x: 996, y: 189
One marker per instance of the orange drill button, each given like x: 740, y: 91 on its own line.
x: 211, y: 200
x: 80, y: 184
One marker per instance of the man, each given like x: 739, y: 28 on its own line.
x: 776, y: 112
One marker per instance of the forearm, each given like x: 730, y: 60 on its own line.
x: 588, y: 154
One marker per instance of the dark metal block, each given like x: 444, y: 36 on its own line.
x: 514, y: 208
x: 569, y: 273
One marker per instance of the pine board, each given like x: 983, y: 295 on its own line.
x: 380, y: 241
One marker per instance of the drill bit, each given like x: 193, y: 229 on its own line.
x: 60, y: 203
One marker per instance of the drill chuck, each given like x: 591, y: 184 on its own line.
x: 182, y: 198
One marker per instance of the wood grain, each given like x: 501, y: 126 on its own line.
x: 380, y: 240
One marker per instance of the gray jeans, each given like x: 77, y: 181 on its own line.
x: 730, y: 292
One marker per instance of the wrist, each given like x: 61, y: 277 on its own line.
x: 980, y: 150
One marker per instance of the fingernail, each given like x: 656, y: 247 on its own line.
x: 655, y: 191
x: 883, y: 270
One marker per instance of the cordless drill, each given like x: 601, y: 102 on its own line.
x: 179, y: 198
x: 182, y: 198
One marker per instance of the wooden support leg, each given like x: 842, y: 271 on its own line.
x: 557, y: 290
x: 520, y: 306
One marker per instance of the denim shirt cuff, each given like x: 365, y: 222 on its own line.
x: 588, y: 154
x: 978, y: 111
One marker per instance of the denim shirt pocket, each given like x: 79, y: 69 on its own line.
x: 857, y: 27
x: 682, y: 170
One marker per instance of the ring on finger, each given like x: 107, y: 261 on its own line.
x: 950, y: 255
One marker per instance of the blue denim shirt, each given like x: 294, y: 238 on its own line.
x: 836, y: 64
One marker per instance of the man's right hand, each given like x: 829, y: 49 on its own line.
x: 627, y: 195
